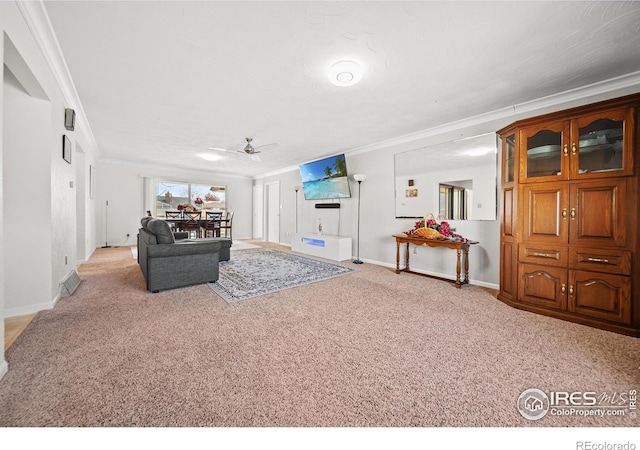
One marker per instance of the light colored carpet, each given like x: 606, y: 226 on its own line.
x: 259, y: 272
x: 242, y: 245
x: 369, y: 349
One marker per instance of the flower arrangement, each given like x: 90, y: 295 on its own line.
x: 442, y: 227
x: 186, y: 207
x: 198, y: 201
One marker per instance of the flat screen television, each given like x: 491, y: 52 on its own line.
x: 325, y: 178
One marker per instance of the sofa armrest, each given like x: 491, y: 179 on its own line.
x: 183, y: 248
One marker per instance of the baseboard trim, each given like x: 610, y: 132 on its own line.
x: 31, y: 309
x: 4, y: 368
x: 435, y: 274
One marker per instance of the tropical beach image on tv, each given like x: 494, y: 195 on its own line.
x: 325, y: 178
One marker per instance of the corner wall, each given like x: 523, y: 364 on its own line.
x: 40, y: 180
x: 3, y: 363
x: 27, y: 183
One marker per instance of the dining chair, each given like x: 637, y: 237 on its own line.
x: 212, y: 223
x: 192, y: 222
x: 226, y: 223
x: 174, y: 219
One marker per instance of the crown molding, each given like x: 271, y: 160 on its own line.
x: 158, y: 170
x: 603, y: 90
x: 37, y: 19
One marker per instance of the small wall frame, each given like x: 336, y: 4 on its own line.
x: 69, y: 119
x: 92, y: 181
x: 66, y: 149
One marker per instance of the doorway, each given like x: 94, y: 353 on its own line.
x: 272, y: 207
x: 258, y: 211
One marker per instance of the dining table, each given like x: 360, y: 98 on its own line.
x: 177, y: 222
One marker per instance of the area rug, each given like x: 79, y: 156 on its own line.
x: 257, y: 272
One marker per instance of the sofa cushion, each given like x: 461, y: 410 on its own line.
x: 144, y: 221
x: 162, y: 230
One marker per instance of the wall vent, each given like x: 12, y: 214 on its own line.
x: 70, y: 284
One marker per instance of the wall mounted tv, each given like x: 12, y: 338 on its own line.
x: 325, y: 178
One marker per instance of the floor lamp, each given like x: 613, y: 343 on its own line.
x: 106, y: 225
x: 297, y: 188
x: 359, y: 177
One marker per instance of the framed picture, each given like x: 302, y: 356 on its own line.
x: 410, y: 182
x: 66, y: 149
x: 411, y: 193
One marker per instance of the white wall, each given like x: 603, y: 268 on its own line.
x: 27, y: 200
x: 378, y: 223
x: 35, y: 179
x: 3, y: 363
x: 121, y: 184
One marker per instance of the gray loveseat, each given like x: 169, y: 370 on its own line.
x: 168, y: 263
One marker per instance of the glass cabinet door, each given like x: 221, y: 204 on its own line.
x: 544, y: 152
x: 601, y: 146
x: 509, y: 158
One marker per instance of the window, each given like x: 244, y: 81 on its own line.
x: 170, y: 194
x: 455, y: 202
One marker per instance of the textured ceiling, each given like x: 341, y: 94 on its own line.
x: 160, y: 82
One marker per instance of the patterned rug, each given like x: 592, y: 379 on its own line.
x: 257, y: 272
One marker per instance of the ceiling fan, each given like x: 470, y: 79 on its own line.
x: 248, y: 149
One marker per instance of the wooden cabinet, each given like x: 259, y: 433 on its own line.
x: 589, y: 146
x: 569, y: 215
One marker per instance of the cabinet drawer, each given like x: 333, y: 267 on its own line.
x: 542, y: 286
x: 602, y: 296
x: 601, y: 260
x: 543, y: 254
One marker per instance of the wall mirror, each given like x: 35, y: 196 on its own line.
x: 456, y: 180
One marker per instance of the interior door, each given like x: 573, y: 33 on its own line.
x: 258, y: 211
x: 273, y: 211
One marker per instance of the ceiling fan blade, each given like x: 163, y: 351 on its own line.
x: 218, y: 149
x: 266, y: 145
x: 255, y: 157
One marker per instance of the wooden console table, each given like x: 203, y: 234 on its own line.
x: 459, y: 247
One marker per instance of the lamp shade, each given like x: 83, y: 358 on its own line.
x: 359, y: 177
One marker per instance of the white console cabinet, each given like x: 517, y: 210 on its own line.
x: 337, y: 248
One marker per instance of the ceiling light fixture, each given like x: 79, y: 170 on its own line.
x: 210, y: 157
x: 479, y: 151
x: 345, y: 73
